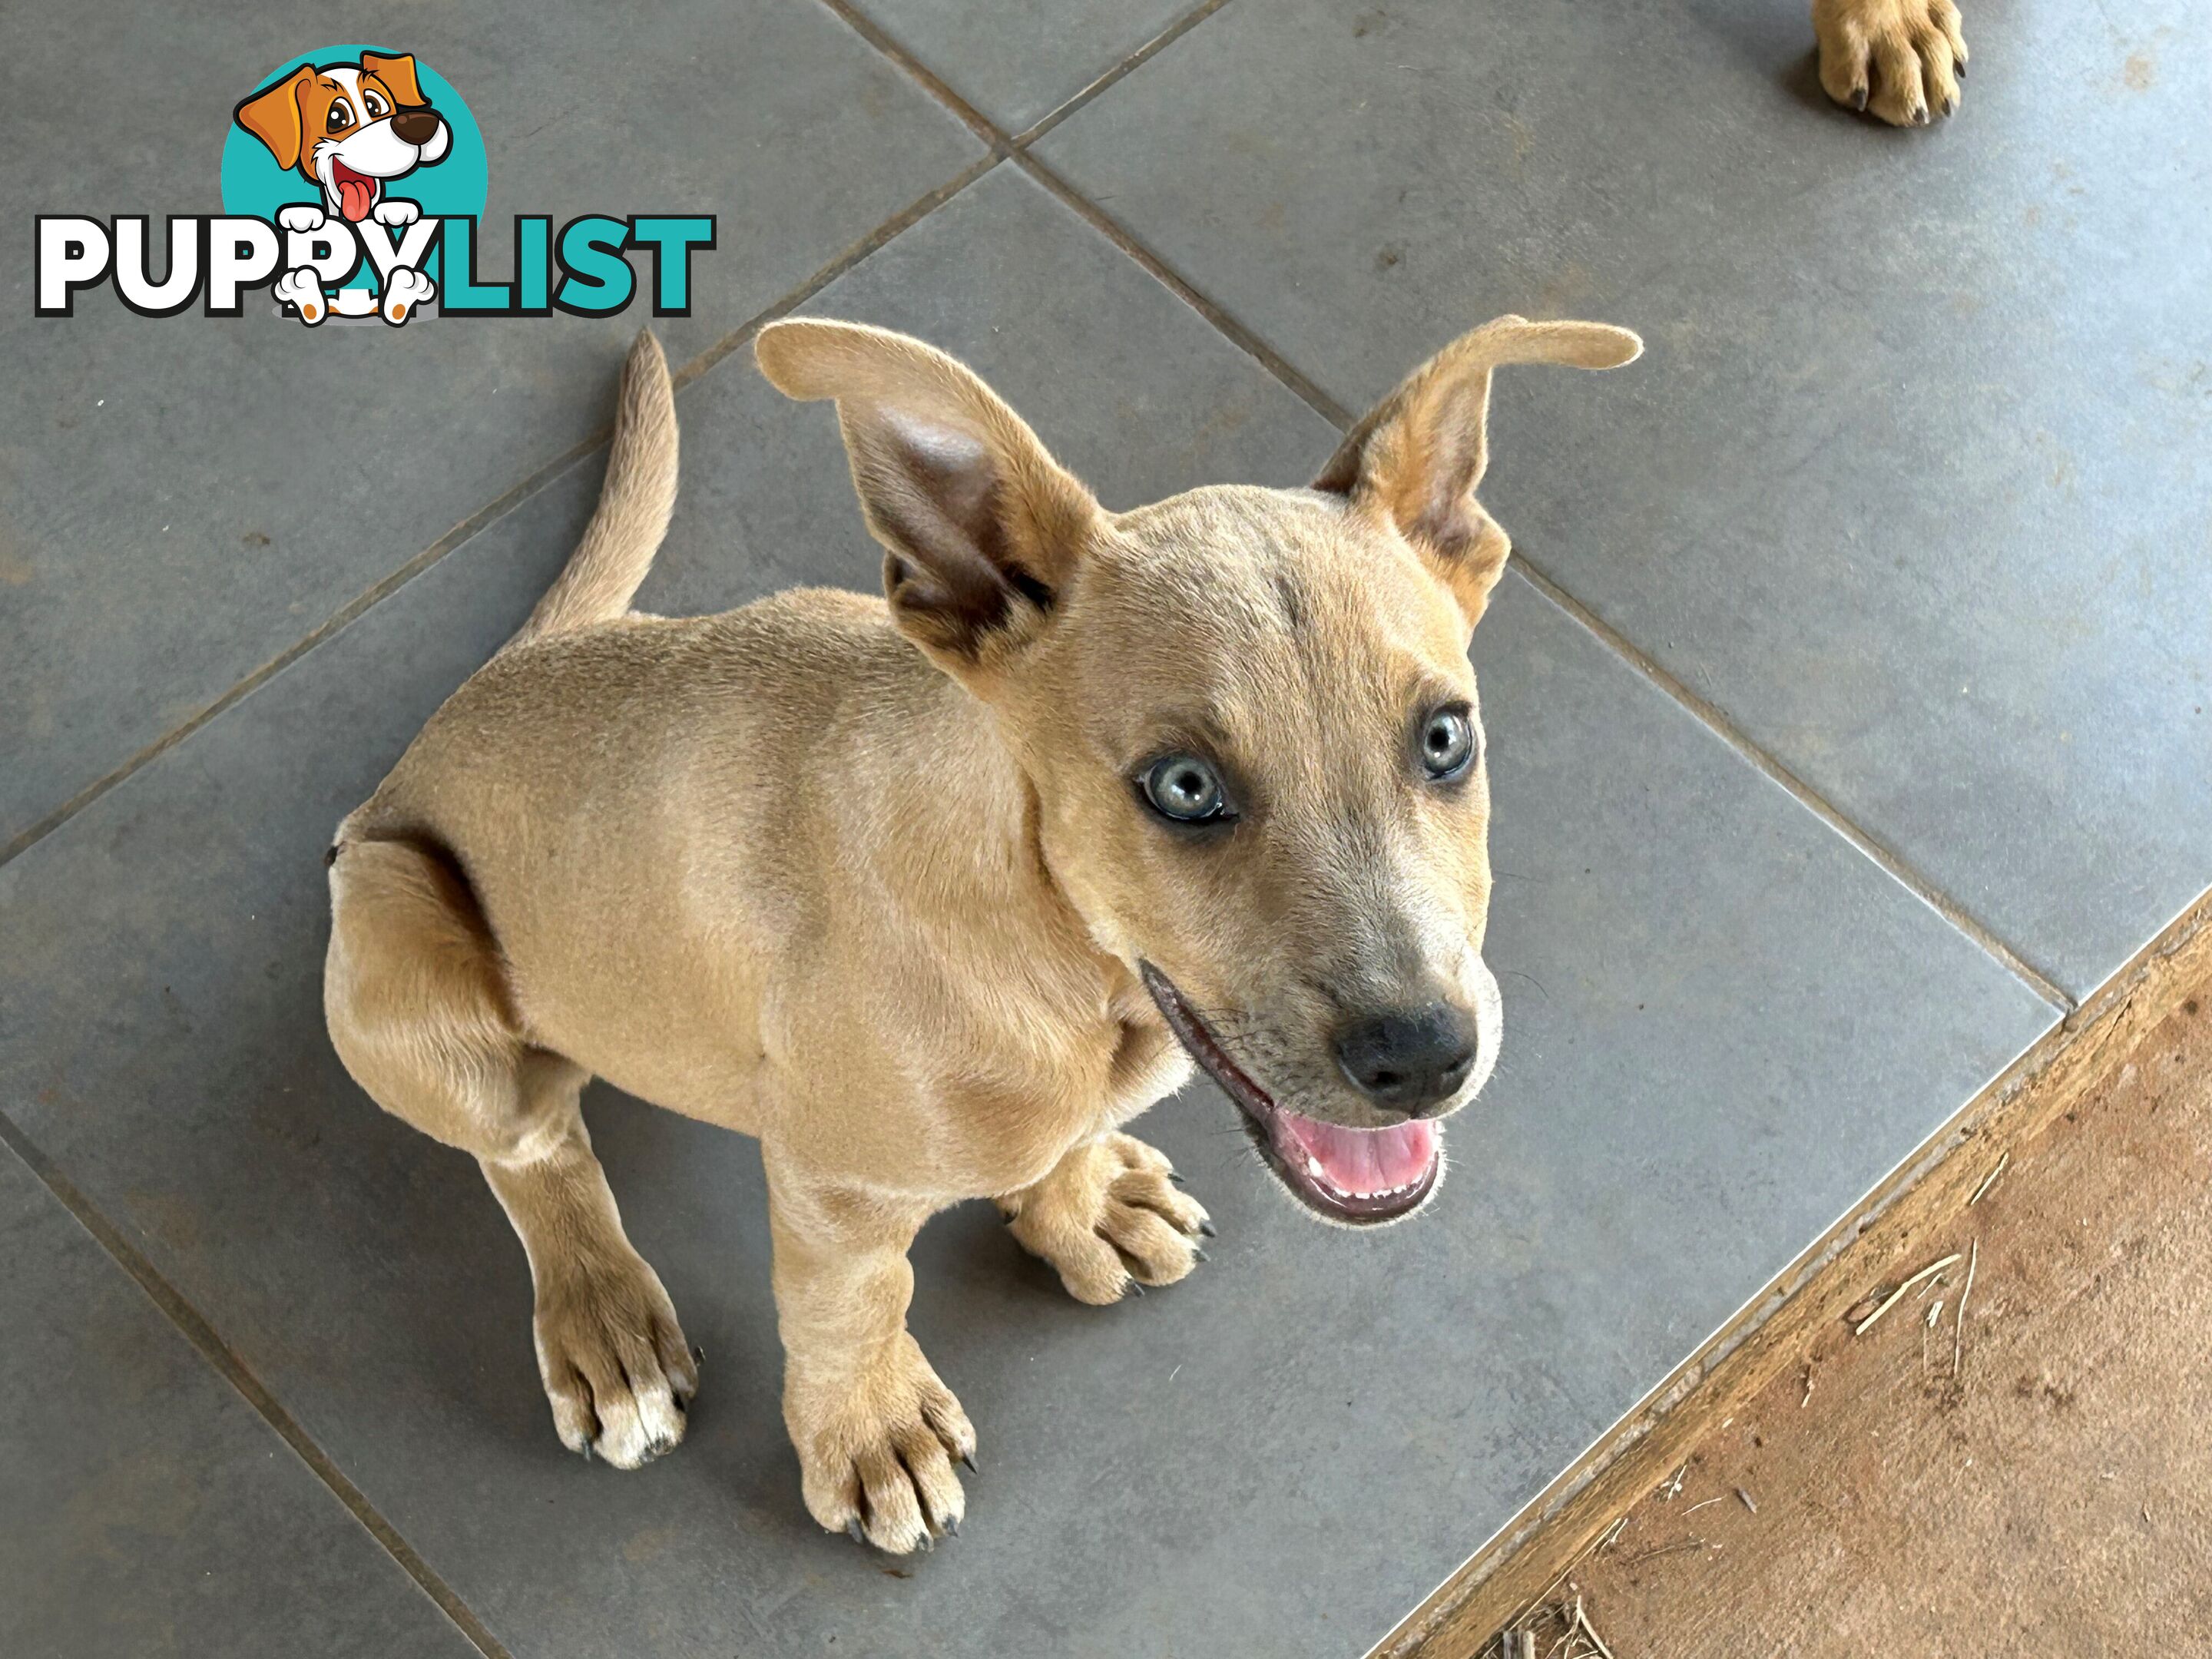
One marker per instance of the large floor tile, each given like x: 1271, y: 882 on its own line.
x: 182, y: 499
x: 1722, y: 1025
x: 146, y: 1509
x: 1914, y: 481
x: 1010, y: 59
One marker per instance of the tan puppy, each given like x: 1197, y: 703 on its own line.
x: 923, y: 891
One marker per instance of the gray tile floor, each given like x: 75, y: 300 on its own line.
x: 1906, y: 504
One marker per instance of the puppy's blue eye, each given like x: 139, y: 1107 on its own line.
x: 1184, y: 788
x: 1447, y: 745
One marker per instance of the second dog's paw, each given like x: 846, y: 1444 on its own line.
x: 614, y: 1361
x: 876, y: 1451
x: 301, y: 216
x: 404, y: 291
x: 1110, y: 1218
x: 303, y: 289
x: 396, y: 210
x: 1898, y: 59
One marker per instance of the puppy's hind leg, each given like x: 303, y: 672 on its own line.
x: 419, y: 1009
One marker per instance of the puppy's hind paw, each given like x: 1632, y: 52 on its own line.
x: 1899, y: 60
x: 615, y: 1365
x: 1110, y: 1218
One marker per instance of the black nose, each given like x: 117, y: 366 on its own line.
x: 1408, y: 1059
x: 416, y: 126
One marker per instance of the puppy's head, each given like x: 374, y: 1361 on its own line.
x: 349, y: 127
x: 1249, y: 719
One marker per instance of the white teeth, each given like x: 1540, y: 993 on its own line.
x: 1313, y: 1168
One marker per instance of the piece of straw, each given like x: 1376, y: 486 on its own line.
x: 1959, y: 1334
x: 1895, y: 1296
x: 1989, y: 1180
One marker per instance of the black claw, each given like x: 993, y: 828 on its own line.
x: 698, y: 1355
x: 968, y: 1459
x: 1175, y: 1177
x: 952, y: 1525
x: 852, y: 1531
x: 1208, y: 1228
x: 1199, y: 1253
x: 1859, y: 99
x: 1958, y: 68
x: 1136, y: 1288
x: 1951, y: 105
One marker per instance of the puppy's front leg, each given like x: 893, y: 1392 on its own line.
x: 1109, y: 1216
x: 875, y: 1430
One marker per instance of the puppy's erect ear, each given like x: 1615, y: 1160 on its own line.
x: 982, y: 527
x: 273, y: 115
x: 397, y: 73
x: 1420, y: 453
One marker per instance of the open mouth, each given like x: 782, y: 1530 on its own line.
x: 358, y: 191
x: 1359, y: 1177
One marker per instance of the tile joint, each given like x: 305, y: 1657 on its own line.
x: 196, y: 1330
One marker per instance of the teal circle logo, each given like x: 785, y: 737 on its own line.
x: 358, y: 131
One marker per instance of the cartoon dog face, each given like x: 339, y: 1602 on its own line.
x: 349, y: 128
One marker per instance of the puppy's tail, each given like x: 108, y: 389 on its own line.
x: 600, y: 579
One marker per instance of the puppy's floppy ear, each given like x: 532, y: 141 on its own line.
x: 1420, y: 453
x: 397, y: 73
x: 273, y: 115
x: 982, y: 527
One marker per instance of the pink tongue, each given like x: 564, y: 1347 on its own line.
x: 354, y: 197
x: 1363, y: 1162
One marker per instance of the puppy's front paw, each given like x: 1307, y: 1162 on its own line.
x: 614, y: 1361
x: 396, y: 210
x: 876, y: 1451
x: 302, y: 216
x: 1110, y: 1217
x: 1898, y: 59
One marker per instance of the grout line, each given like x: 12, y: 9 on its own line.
x: 930, y: 81
x: 383, y: 589
x: 1241, y: 337
x: 338, y: 619
x: 1315, y: 397
x: 1143, y: 55
x: 1806, y: 796
x: 1246, y: 340
x: 898, y: 224
x: 202, y: 1336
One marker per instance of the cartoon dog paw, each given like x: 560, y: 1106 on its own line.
x: 1109, y: 1218
x: 1901, y: 60
x: 301, y: 216
x: 404, y: 290
x: 876, y: 1451
x: 394, y: 211
x: 303, y: 289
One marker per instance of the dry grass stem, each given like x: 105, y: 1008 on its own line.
x: 1958, y: 1331
x: 1989, y: 1180
x: 1896, y: 1295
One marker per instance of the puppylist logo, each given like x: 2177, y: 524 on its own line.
x: 354, y: 180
